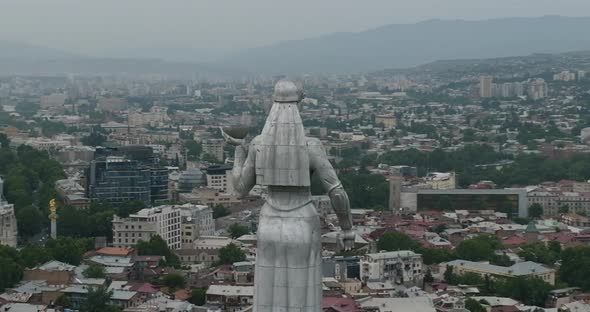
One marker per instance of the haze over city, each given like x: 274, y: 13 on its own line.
x: 204, y: 30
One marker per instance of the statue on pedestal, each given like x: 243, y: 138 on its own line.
x: 288, y: 276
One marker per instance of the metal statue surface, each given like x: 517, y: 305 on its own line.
x: 288, y: 276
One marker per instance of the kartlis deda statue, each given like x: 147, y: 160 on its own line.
x: 288, y: 276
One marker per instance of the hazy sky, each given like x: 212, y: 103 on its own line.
x: 203, y: 29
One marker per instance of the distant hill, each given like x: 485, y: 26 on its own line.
x: 26, y: 59
x: 19, y: 50
x: 407, y: 45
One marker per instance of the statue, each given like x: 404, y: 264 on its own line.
x: 53, y: 217
x: 288, y: 274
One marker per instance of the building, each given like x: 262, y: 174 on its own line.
x: 441, y: 180
x: 130, y: 173
x: 538, y: 89
x: 53, y: 100
x: 8, y: 225
x: 401, y: 267
x: 214, y: 147
x: 233, y: 298
x: 485, y: 86
x: 521, y: 269
x: 219, y: 177
x: 189, y: 179
x: 197, y: 221
x: 164, y: 221
x: 388, y: 121
x: 53, y: 272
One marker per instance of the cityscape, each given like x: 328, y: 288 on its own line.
x: 459, y: 184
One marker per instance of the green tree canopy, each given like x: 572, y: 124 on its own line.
x: 230, y: 254
x: 473, y: 306
x: 158, y: 247
x: 477, y: 249
x: 236, y: 230
x: 173, y: 281
x: 535, y: 211
x: 95, y: 271
x: 198, y: 296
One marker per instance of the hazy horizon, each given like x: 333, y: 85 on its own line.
x: 185, y: 30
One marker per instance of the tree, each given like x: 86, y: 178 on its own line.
x: 396, y: 241
x: 564, y: 209
x: 97, y: 300
x: 4, y: 141
x: 63, y: 301
x: 231, y: 254
x: 198, y: 296
x: 33, y: 255
x: 530, y: 291
x: 94, y: 139
x: 428, y: 278
x: 158, y: 247
x: 449, y: 276
x: 193, y: 149
x: 477, y: 249
x: 236, y: 230
x: 220, y: 211
x: 29, y: 221
x: 94, y: 271
x: 574, y: 268
x: 535, y: 211
x: 473, y: 306
x: 173, y: 281
x: 68, y: 250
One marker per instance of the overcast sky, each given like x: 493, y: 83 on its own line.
x: 202, y: 29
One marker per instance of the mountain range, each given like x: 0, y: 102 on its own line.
x: 391, y: 46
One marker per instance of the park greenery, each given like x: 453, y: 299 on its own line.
x: 158, y: 247
x: 230, y: 254
x: 13, y: 262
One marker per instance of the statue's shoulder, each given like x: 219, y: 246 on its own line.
x: 256, y: 140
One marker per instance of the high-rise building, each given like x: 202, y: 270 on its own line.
x: 538, y: 89
x: 164, y: 221
x: 485, y: 86
x: 8, y: 226
x: 127, y: 174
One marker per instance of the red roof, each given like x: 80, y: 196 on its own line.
x: 513, y: 241
x: 340, y: 304
x: 145, y: 288
x: 113, y: 251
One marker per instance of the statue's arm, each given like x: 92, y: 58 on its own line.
x: 321, y: 166
x: 243, y: 172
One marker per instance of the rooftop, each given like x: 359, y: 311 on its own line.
x: 517, y: 269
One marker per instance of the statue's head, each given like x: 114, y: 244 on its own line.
x: 287, y: 92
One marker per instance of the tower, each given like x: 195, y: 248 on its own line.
x: 395, y: 186
x: 485, y: 86
x: 53, y: 218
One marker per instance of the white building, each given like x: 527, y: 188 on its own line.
x: 538, y: 89
x: 8, y: 226
x: 164, y: 221
x: 397, y: 266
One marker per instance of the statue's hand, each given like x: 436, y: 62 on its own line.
x: 231, y: 141
x: 346, y: 240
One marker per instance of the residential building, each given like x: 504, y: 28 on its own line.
x: 485, y: 86
x: 401, y: 267
x: 219, y: 177
x: 538, y: 89
x: 8, y: 225
x: 233, y: 298
x: 214, y: 147
x: 521, y: 269
x: 164, y: 221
